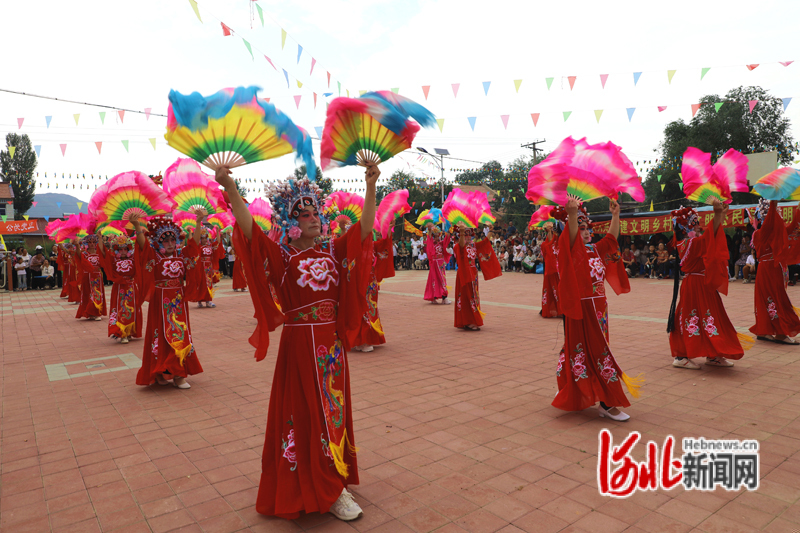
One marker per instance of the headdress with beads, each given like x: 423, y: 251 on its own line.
x: 583, y: 217
x: 159, y: 227
x: 90, y: 239
x: 685, y: 219
x: 290, y: 197
x: 120, y: 241
x: 762, y: 209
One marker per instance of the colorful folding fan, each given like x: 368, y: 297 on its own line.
x: 705, y: 183
x: 482, y: 208
x: 52, y: 228
x: 262, y: 214
x: 542, y: 216
x: 222, y: 221
x: 127, y: 194
x: 186, y: 221
x: 348, y: 204
x: 112, y: 227
x: 370, y: 129
x: 234, y: 127
x: 79, y: 225
x: 781, y: 184
x: 424, y: 217
x: 576, y: 169
x: 458, y: 208
x: 393, y: 205
x: 192, y: 189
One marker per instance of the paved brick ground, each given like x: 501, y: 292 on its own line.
x: 455, y: 429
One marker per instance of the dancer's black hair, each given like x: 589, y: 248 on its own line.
x: 676, y: 272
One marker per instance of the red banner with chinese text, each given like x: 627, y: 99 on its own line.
x: 18, y: 226
x: 650, y: 225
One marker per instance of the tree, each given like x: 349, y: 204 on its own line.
x: 19, y: 171
x: 324, y: 183
x: 720, y: 123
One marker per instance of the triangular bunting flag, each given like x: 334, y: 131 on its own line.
x: 63, y: 149
x: 77, y: 117
x: 5, y: 217
x: 695, y: 107
x: 535, y: 118
x: 662, y: 108
x: 315, y: 100
x: 662, y: 187
x: 58, y: 204
x: 19, y: 122
x: 362, y: 92
x: 636, y: 76
x: 249, y: 49
x: 329, y: 80
x: 38, y: 148
x: 517, y: 84
x: 786, y: 102
x: 99, y: 145
x: 283, y: 38
x: 125, y: 144
x: 340, y: 87
x: 260, y: 14
x: 196, y: 10
x: 571, y: 81
x: 486, y: 85
x: 659, y: 177
x: 603, y: 78
x: 785, y: 63
x: 80, y: 205
x: 147, y: 111
x: 11, y: 150
x: 48, y: 119
x: 286, y: 75
x: 440, y: 122
x: 153, y: 142
x: 313, y: 62
x: 297, y: 98
x: 752, y: 66
x: 630, y: 111
x: 396, y: 90
x: 318, y: 129
x: 425, y: 90
x: 472, y: 122
x: 549, y: 82
x: 566, y: 115
x: 270, y: 62
x: 752, y: 104
x: 504, y: 118
x: 299, y: 53
x: 455, y: 89
x: 670, y: 74
x: 121, y: 114
x: 26, y: 217
x: 680, y: 184
x: 226, y: 31
x: 717, y: 105
x: 651, y: 205
x: 45, y: 217
x: 704, y: 71
x: 597, y: 114
x: 299, y: 84
x: 102, y: 117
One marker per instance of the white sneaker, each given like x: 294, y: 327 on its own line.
x: 620, y: 417
x: 363, y: 348
x: 732, y: 279
x: 718, y: 361
x: 346, y: 508
x: 685, y: 363
x: 445, y: 301
x: 124, y: 340
x: 181, y: 383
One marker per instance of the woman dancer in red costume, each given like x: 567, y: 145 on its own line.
x: 549, y: 247
x: 436, y: 242
x: 125, y: 319
x: 93, y: 296
x: 468, y: 314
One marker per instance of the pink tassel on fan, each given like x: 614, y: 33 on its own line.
x: 458, y: 208
x: 192, y: 189
x: 393, y: 205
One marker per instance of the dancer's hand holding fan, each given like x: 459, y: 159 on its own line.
x: 781, y: 184
x: 704, y: 183
x: 371, y: 129
x: 127, y: 194
x: 192, y: 189
x: 233, y: 127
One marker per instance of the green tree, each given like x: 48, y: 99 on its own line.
x: 324, y: 183
x: 720, y: 123
x: 19, y: 171
x: 509, y: 204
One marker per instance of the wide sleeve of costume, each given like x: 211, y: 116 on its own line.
x: 354, y: 260
x: 791, y: 254
x: 145, y: 258
x: 384, y: 262
x: 616, y: 276
x: 190, y: 254
x: 490, y: 266
x: 568, y: 288
x: 716, y: 257
x: 263, y: 265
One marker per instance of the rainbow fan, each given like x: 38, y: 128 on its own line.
x: 192, y: 189
x: 233, y: 127
x: 112, y: 227
x: 262, y: 214
x: 78, y: 226
x: 222, y: 221
x: 127, y: 194
x: 348, y: 204
x: 185, y: 220
x: 458, y: 208
x: 424, y: 217
x: 542, y: 216
x: 393, y: 205
x: 576, y: 169
x: 370, y: 129
x: 482, y: 208
x: 705, y: 183
x: 52, y: 228
x: 781, y: 184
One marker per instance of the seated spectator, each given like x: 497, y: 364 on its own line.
x: 421, y: 263
x: 404, y: 256
x: 529, y: 263
x: 503, y: 258
x: 47, y: 280
x: 650, y: 266
x: 750, y: 266
x: 631, y: 266
x: 738, y: 266
x: 662, y: 261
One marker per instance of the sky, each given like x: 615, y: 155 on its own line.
x: 129, y: 55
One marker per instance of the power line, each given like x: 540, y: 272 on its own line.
x: 532, y: 146
x: 82, y: 103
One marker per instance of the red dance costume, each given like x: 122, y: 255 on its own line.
x: 702, y: 327
x: 125, y: 319
x: 309, y: 451
x: 64, y: 266
x: 71, y: 280
x: 93, y: 295
x: 775, y: 314
x: 168, y: 338
x: 239, y: 277
x: 436, y: 249
x: 587, y: 372
x: 200, y: 282
x: 468, y: 299
x: 550, y: 307
x: 371, y: 331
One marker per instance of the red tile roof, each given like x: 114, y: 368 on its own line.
x: 6, y: 192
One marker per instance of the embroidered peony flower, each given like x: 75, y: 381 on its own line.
x: 124, y: 265
x: 172, y: 268
x: 608, y: 373
x: 597, y: 268
x: 326, y: 311
x: 288, y: 449
x: 317, y: 273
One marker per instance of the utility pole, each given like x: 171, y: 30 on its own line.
x: 532, y: 146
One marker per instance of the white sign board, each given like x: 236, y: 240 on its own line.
x: 760, y: 165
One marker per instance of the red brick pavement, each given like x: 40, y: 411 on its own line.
x: 455, y: 428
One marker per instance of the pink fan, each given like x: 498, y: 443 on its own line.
x: 79, y: 225
x: 393, y: 205
x: 222, y: 221
x: 192, y: 189
x: 186, y: 221
x: 52, y: 228
x: 262, y: 214
x: 483, y: 210
x: 458, y: 208
x: 127, y: 194
x: 704, y: 183
x: 542, y: 216
x: 345, y: 203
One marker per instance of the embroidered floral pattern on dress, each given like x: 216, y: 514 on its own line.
x: 561, y: 360
x: 124, y: 266
x: 325, y: 311
x: 318, y: 273
x: 330, y: 360
x: 597, y: 269
x: 602, y: 319
x: 112, y: 318
x: 172, y: 268
x: 287, y: 445
x: 692, y: 324
x: 326, y: 449
x: 606, y: 368
x: 577, y: 363
x: 708, y: 324
x: 154, y: 347
x: 771, y: 308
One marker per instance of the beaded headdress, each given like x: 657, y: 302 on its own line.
x: 583, y: 217
x: 90, y: 239
x: 685, y: 219
x: 290, y: 197
x: 762, y: 209
x: 120, y: 241
x: 160, y: 227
